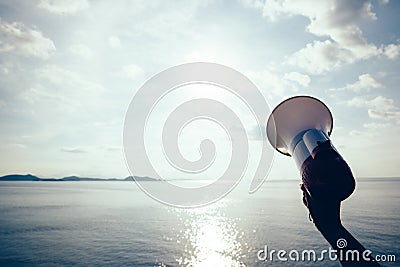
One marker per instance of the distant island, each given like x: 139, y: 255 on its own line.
x: 30, y: 177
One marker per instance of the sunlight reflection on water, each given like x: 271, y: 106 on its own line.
x: 210, y: 238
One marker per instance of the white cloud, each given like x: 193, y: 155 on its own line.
x: 278, y: 84
x: 63, y: 91
x: 54, y: 79
x: 382, y: 103
x: 379, y: 107
x: 114, y: 42
x: 318, y: 57
x: 392, y: 51
x: 386, y: 115
x: 364, y: 82
x: 338, y: 20
x: 19, y: 39
x: 376, y: 126
x: 81, y: 50
x: 356, y: 133
x: 110, y: 148
x: 359, y: 101
x: 267, y: 81
x: 73, y: 150
x: 17, y: 145
x: 259, y: 4
x: 379, y: 102
x: 63, y: 6
x: 73, y: 81
x: 302, y: 79
x: 132, y: 71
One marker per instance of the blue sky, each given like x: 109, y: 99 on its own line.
x: 69, y: 69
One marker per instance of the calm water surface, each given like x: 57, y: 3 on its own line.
x: 115, y: 224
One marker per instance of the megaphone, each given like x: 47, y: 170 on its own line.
x: 300, y: 127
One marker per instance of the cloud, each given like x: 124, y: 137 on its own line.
x: 276, y: 83
x: 376, y: 126
x: 364, y: 82
x: 379, y: 102
x: 382, y: 103
x: 67, y: 93
x: 132, y: 71
x: 356, y: 133
x: 302, y: 79
x: 114, y: 42
x: 73, y: 82
x: 386, y: 115
x: 73, y: 150
x: 81, y: 50
x: 379, y: 107
x: 17, y: 145
x: 267, y: 81
x: 337, y: 20
x: 19, y: 39
x: 113, y: 148
x: 392, y: 51
x: 63, y: 7
x: 319, y: 57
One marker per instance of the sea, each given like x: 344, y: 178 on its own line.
x: 113, y: 223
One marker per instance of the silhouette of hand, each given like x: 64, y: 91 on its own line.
x: 326, y: 217
x: 324, y: 214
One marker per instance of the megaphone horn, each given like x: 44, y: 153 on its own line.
x: 300, y: 127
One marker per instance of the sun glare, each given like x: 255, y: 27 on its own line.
x: 211, y: 239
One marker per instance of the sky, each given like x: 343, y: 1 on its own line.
x: 68, y: 70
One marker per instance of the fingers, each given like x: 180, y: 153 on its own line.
x: 306, y: 196
x: 305, y: 202
x: 302, y: 187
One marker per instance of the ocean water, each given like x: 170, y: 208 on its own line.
x: 116, y: 224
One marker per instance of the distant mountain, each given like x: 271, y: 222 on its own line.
x: 138, y: 178
x: 19, y: 177
x: 76, y: 178
x: 29, y: 177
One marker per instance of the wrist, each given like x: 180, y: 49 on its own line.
x: 333, y: 226
x: 325, y: 215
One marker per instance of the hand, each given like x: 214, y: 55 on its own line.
x: 326, y: 217
x: 324, y: 214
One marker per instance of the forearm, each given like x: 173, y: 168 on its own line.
x: 351, y: 254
